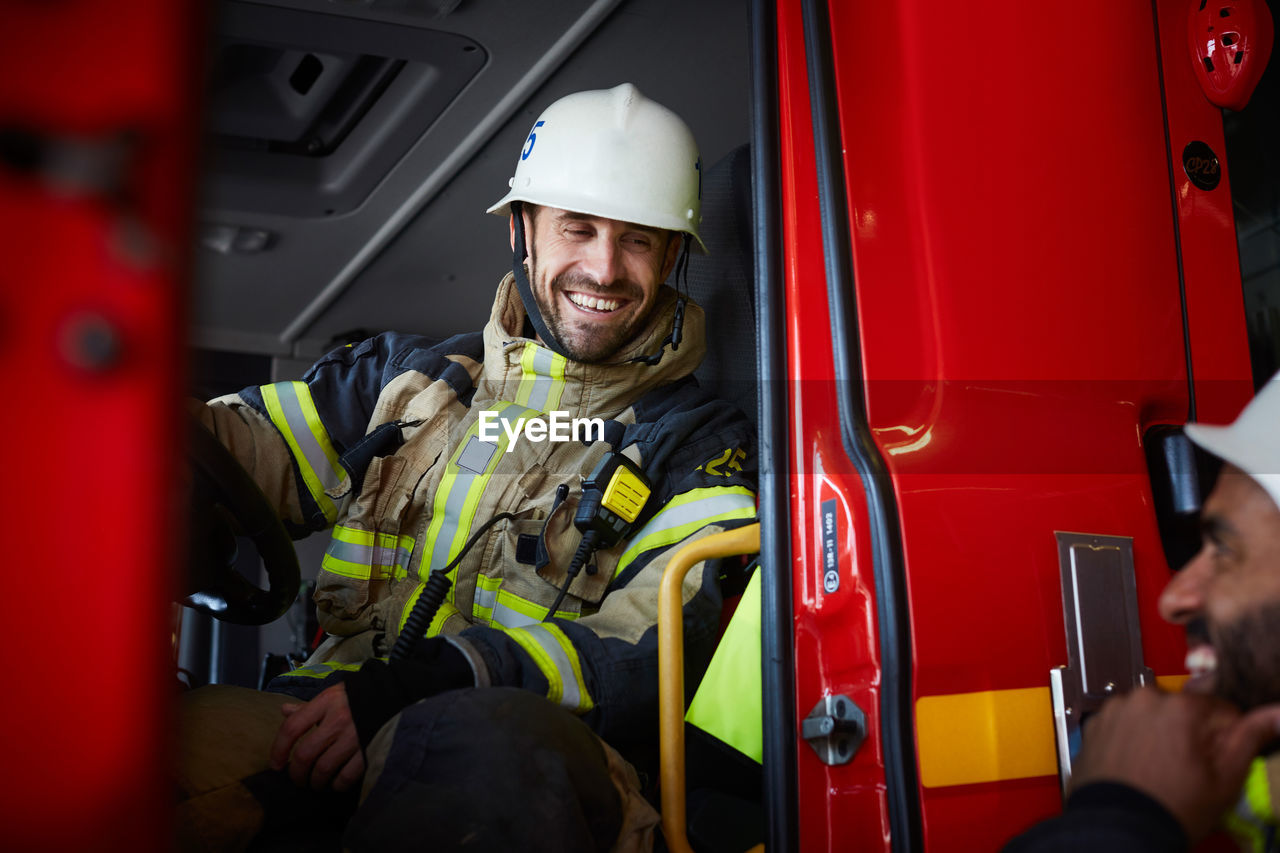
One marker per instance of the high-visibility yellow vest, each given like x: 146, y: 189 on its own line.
x: 727, y: 705
x: 1253, y: 821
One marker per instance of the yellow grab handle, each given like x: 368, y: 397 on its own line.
x: 743, y: 540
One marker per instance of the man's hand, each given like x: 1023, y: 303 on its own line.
x: 318, y: 742
x: 1191, y: 753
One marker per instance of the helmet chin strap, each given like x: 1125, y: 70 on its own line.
x: 535, y: 314
x: 523, y: 286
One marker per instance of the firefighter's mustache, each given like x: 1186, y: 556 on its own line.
x: 621, y: 288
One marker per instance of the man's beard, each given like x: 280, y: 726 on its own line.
x: 1248, y: 655
x: 588, y: 343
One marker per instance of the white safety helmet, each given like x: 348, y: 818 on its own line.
x: 1252, y: 442
x: 611, y: 153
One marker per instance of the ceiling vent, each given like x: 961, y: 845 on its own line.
x: 308, y: 112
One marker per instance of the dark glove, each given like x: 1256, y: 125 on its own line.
x: 379, y: 690
x: 1102, y: 817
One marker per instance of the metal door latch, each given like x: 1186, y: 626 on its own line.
x: 835, y: 728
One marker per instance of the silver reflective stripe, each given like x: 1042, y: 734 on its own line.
x: 509, y: 617
x: 454, y: 502
x: 460, y: 504
x: 485, y: 598
x: 540, y: 380
x: 687, y: 513
x: 571, y: 695
x: 368, y: 555
x: 295, y: 415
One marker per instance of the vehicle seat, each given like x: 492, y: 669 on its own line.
x: 723, y: 283
x: 725, y: 787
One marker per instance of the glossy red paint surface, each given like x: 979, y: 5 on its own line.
x: 835, y: 635
x: 91, y: 449
x: 1230, y: 42
x: 1210, y: 261
x: 1017, y: 285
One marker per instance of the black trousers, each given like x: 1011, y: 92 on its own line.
x: 485, y: 769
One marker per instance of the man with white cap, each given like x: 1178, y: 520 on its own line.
x: 480, y: 565
x: 1159, y: 771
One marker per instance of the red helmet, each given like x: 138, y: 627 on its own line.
x: 1230, y: 44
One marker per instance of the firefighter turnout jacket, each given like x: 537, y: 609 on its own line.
x: 405, y: 448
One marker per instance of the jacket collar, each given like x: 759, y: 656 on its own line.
x: 520, y: 370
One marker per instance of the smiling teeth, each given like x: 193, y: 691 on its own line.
x: 1202, y: 659
x: 594, y: 302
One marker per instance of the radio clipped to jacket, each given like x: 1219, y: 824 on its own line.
x: 612, y: 499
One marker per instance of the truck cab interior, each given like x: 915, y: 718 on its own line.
x: 971, y: 271
x: 350, y: 151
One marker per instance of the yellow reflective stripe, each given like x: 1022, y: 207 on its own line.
x: 472, y: 502
x: 541, y: 378
x: 323, y: 670
x: 558, y: 363
x: 447, y: 517
x: 686, y: 514
x: 485, y: 598
x: 478, y: 482
x: 1247, y: 835
x: 512, y: 611
x: 356, y: 535
x: 496, y: 606
x: 990, y: 735
x: 353, y: 553
x: 557, y: 659
x: 442, y: 615
x: 457, y: 499
x: 440, y: 506
x: 1251, y: 821
x: 345, y: 568
x: 528, y: 377
x: 585, y: 703
x: 555, y: 683
x: 1257, y: 790
x: 291, y: 409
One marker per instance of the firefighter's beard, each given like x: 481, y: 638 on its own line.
x: 587, y: 340
x: 1248, y: 653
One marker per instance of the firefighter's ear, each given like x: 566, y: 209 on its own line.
x: 675, y: 242
x: 527, y: 222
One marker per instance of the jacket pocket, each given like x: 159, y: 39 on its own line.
x: 511, y: 592
x: 562, y: 539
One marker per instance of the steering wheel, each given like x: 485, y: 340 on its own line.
x: 225, y: 500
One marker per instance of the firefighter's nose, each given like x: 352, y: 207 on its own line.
x: 1183, y: 597
x: 603, y: 262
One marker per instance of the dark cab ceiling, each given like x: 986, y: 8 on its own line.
x: 353, y: 145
